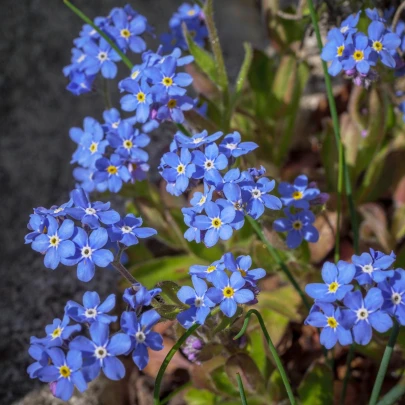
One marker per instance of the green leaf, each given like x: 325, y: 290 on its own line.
x: 196, y: 396
x: 163, y: 268
x: 169, y: 311
x: 222, y: 384
x: 276, y: 387
x: 227, y: 322
x: 169, y: 292
x: 317, y: 386
x: 243, y: 73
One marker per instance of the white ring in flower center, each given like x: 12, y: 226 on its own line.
x: 102, y: 56
x: 202, y: 200
x: 198, y: 140
x: 208, y: 164
x: 58, y: 210
x: 90, y: 313
x: 396, y: 298
x: 362, y: 314
x: 256, y: 193
x: 54, y: 240
x: 90, y: 211
x: 100, y: 352
x: 126, y: 229
x: 86, y: 251
x: 368, y: 268
x: 140, y: 337
x: 231, y: 146
x: 198, y: 302
x: 115, y: 124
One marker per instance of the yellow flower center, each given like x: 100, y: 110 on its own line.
x: 228, y: 292
x: 93, y: 147
x: 210, y: 269
x: 333, y: 287
x: 57, y: 332
x: 180, y: 168
x: 378, y: 46
x: 297, y: 195
x: 112, y: 169
x: 216, y: 223
x: 125, y: 33
x: 172, y: 103
x: 135, y: 74
x: 141, y: 97
x: 358, y: 56
x: 191, y: 12
x: 332, y: 322
x: 64, y: 371
x: 128, y: 144
x: 167, y: 81
x: 340, y: 50
x: 242, y: 272
x: 297, y: 225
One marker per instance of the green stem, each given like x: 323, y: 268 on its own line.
x: 241, y: 389
x: 393, y: 395
x: 272, y: 349
x: 106, y: 93
x: 384, y: 364
x: 165, y: 400
x: 87, y: 20
x: 279, y: 261
x: 347, y: 374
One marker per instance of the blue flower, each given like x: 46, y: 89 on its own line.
x: 78, y: 56
x: 85, y: 177
x: 91, y: 214
x: 216, y: 222
x: 139, y: 100
x: 199, y: 303
x: 179, y: 171
x: 193, y: 232
x: 207, y: 272
x: 101, y: 352
x: 57, y: 332
x: 127, y: 31
x: 80, y: 83
x: 298, y: 227
x: 89, y: 253
x: 365, y: 314
x: 242, y: 265
x: 229, y: 292
x: 55, y: 244
x: 65, y: 371
x: 184, y: 13
x: 38, y: 224
x: 374, y: 15
x: 138, y: 296
x: 348, y: 26
x: 393, y: 290
x: 128, y: 142
x: 127, y: 231
x: 199, y: 198
x: 172, y: 108
x: 257, y: 197
x: 100, y: 57
x: 358, y: 55
x: 112, y: 171
x: 209, y: 163
x: 91, y: 310
x: 39, y: 353
x: 141, y: 335
x: 112, y: 120
x: 297, y: 195
x: 329, y: 318
x: 336, y: 278
x: 231, y: 145
x: 373, y: 267
x: 165, y: 80
x: 383, y: 42
x: 196, y: 140
x: 55, y: 211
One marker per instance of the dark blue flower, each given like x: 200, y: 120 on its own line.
x: 55, y: 244
x: 297, y: 195
x: 112, y: 172
x: 363, y: 315
x: 298, y: 227
x: 231, y: 145
x: 329, y: 318
x: 38, y: 224
x: 80, y: 83
x: 65, y: 371
x: 198, y: 301
x: 373, y: 267
x: 172, y: 108
x: 242, y: 265
x: 91, y: 310
x: 138, y: 296
x: 141, y: 335
x: 128, y: 230
x: 101, y: 352
x: 393, y: 290
x: 229, y: 292
x: 336, y: 278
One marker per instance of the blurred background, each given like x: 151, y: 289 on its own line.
x: 36, y: 113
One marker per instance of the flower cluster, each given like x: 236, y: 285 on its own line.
x: 84, y: 244
x: 72, y: 355
x: 356, y: 53
x: 93, y: 54
x: 346, y: 315
x: 230, y: 282
x: 193, y: 18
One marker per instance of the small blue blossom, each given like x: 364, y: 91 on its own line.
x: 196, y: 140
x: 358, y: 55
x: 140, y: 99
x: 193, y: 232
x: 393, y: 291
x: 216, y: 222
x: 138, y: 296
x: 85, y: 177
x: 101, y: 352
x: 348, y: 26
x: 80, y: 83
x: 112, y: 120
x: 196, y: 298
x: 299, y: 194
x: 91, y: 214
x: 91, y: 310
x: 141, y: 335
x: 38, y: 224
x: 242, y: 264
x: 231, y: 146
x: 172, y: 108
x: 229, y: 292
x: 128, y: 230
x: 39, y: 353
x: 199, y: 198
x: 363, y: 315
x: 298, y: 227
x: 208, y: 272
x: 326, y: 316
x: 89, y: 252
x: 112, y: 172
x: 333, y: 51
x: 373, y: 267
x: 55, y: 244
x: 65, y: 371
x: 55, y: 211
x: 337, y: 278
